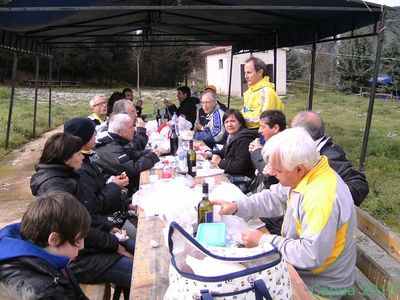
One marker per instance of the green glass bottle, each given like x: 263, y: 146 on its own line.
x: 191, y: 160
x: 205, y: 207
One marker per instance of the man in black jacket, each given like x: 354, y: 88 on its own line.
x: 35, y: 253
x: 187, y: 105
x: 355, y: 180
x: 115, y: 153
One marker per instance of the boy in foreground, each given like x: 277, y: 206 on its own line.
x: 35, y: 253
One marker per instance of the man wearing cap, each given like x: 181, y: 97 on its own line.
x: 98, y: 105
x: 101, y: 200
x: 260, y: 95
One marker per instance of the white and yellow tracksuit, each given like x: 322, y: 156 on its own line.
x: 318, y: 231
x: 258, y: 98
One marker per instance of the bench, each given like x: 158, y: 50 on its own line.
x: 46, y: 83
x: 378, y: 260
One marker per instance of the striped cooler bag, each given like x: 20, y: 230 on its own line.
x: 208, y: 272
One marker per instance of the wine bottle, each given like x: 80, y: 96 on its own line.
x: 191, y: 160
x: 166, y: 115
x: 205, y: 207
x: 173, y: 141
x: 158, y: 118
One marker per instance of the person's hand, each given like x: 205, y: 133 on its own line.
x: 198, y: 127
x: 115, y: 230
x: 216, y: 159
x: 227, y: 208
x: 132, y: 207
x: 251, y: 237
x: 140, y: 122
x: 157, y: 152
x: 121, y: 180
x: 167, y: 103
x: 121, y: 250
x: 254, y: 145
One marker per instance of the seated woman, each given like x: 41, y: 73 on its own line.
x: 103, y: 259
x: 234, y: 157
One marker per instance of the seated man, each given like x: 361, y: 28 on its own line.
x: 314, y: 125
x: 115, y: 153
x: 213, y: 132
x: 35, y: 253
x: 187, y: 105
x: 99, y: 115
x: 319, y: 220
x: 140, y: 138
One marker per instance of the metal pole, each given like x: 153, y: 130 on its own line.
x: 36, y: 96
x: 275, y: 59
x: 312, y: 74
x: 230, y: 78
x: 50, y: 79
x: 373, y: 89
x: 13, y: 82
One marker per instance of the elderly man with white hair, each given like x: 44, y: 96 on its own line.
x: 98, y: 104
x: 319, y: 220
x: 213, y: 132
x: 116, y: 155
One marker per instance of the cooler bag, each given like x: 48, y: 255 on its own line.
x: 243, y: 273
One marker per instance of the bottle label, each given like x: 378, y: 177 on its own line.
x: 209, y: 216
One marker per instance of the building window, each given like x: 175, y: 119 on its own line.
x: 220, y: 64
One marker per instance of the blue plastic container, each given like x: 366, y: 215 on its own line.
x: 211, y: 234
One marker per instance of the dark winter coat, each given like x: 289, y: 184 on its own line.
x: 354, y: 179
x: 100, y: 247
x: 235, y: 154
x: 24, y: 264
x: 261, y: 181
x: 115, y: 155
x: 101, y: 199
x: 187, y: 108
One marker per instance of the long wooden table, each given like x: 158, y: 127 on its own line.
x: 150, y: 268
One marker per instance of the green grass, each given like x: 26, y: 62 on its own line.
x: 22, y: 118
x: 344, y: 115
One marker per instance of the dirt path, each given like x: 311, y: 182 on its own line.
x: 16, y: 170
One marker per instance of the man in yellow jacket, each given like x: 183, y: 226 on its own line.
x: 260, y: 95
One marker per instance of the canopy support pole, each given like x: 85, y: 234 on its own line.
x: 373, y: 89
x: 230, y: 78
x: 312, y: 73
x: 13, y: 83
x: 275, y: 59
x: 50, y: 79
x: 36, y: 96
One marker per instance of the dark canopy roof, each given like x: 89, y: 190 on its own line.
x: 37, y: 26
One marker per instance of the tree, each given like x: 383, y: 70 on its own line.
x: 354, y: 64
x: 293, y: 66
x: 391, y: 61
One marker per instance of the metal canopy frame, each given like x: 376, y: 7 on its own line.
x: 256, y: 26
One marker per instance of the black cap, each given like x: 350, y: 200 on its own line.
x: 80, y: 127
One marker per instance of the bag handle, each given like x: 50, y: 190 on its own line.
x: 199, y: 246
x: 206, y: 295
x: 261, y: 290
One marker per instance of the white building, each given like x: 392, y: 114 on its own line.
x: 218, y: 63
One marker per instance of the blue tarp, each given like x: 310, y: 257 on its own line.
x: 382, y: 79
